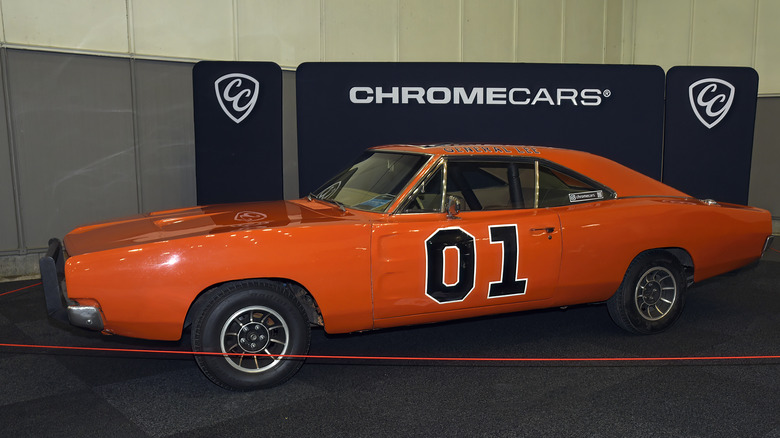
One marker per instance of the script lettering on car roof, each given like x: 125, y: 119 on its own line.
x: 491, y: 149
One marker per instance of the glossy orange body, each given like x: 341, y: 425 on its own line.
x: 367, y: 270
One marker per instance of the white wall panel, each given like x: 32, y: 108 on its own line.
x: 2, y: 24
x: 358, y: 30
x: 198, y: 29
x: 663, y: 29
x: 429, y: 31
x: 768, y: 47
x: 664, y: 32
x: 539, y: 30
x: 723, y: 32
x: 613, y: 35
x: 488, y: 30
x: 627, y: 31
x: 584, y: 31
x: 286, y: 32
x: 75, y: 24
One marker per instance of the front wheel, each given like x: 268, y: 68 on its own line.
x: 255, y: 325
x: 651, y: 296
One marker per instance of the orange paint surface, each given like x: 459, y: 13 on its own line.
x: 369, y: 270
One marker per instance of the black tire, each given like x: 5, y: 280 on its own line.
x: 250, y: 318
x: 651, y: 296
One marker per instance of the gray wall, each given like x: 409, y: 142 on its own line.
x: 9, y: 239
x: 85, y: 138
x: 72, y: 124
x: 765, y: 167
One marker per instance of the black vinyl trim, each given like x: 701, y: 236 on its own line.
x: 52, y: 267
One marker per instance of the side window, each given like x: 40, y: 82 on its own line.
x: 490, y: 185
x: 557, y: 188
x: 429, y: 196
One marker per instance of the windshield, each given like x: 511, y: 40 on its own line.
x: 373, y: 181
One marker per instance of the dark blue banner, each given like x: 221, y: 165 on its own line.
x: 710, y: 118
x: 238, y: 131
x: 610, y: 110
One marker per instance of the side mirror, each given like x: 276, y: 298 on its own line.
x: 453, y: 207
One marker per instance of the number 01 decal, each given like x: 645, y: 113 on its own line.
x: 435, y: 284
x: 443, y: 239
x: 509, y: 284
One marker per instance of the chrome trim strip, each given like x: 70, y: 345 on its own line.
x: 536, y: 183
x: 767, y: 244
x: 402, y: 201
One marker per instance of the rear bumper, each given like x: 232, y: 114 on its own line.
x: 58, y: 305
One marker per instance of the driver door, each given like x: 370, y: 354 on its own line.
x: 495, y: 252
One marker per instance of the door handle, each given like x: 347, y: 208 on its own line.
x: 545, y: 229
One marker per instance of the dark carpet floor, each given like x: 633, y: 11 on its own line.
x: 78, y: 394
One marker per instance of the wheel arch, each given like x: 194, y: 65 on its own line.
x: 303, y: 296
x: 680, y: 255
x: 632, y: 309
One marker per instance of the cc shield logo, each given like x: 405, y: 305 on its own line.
x: 237, y: 94
x: 250, y: 216
x: 711, y: 99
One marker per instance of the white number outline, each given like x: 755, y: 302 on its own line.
x: 474, y: 280
x: 476, y: 264
x: 503, y: 255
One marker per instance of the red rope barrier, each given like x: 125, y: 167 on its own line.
x: 410, y: 358
x: 20, y: 289
x: 390, y: 358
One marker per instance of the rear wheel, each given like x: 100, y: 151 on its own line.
x: 255, y: 324
x: 651, y: 296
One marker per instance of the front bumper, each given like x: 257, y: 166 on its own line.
x: 58, y: 305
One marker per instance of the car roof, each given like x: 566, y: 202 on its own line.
x: 463, y: 148
x: 488, y: 149
x: 623, y: 180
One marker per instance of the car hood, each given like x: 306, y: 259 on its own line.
x: 195, y: 221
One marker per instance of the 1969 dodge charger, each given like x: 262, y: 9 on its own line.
x: 405, y: 235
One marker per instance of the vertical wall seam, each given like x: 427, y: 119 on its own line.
x: 622, y: 31
x: 756, y: 8
x: 461, y: 26
x: 10, y: 134
x: 634, y: 14
x: 130, y: 27
x: 235, y: 31
x: 322, y: 30
x: 136, y: 141
x: 139, y: 192
x: 2, y: 22
x: 624, y: 44
x: 515, y: 31
x: 604, y: 25
x: 691, y: 32
x: 563, y: 31
x: 398, y: 30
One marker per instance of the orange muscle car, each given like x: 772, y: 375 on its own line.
x: 406, y: 235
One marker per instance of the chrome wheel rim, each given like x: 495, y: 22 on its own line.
x: 655, y: 293
x: 254, y: 339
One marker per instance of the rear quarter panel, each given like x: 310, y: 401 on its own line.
x: 601, y: 239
